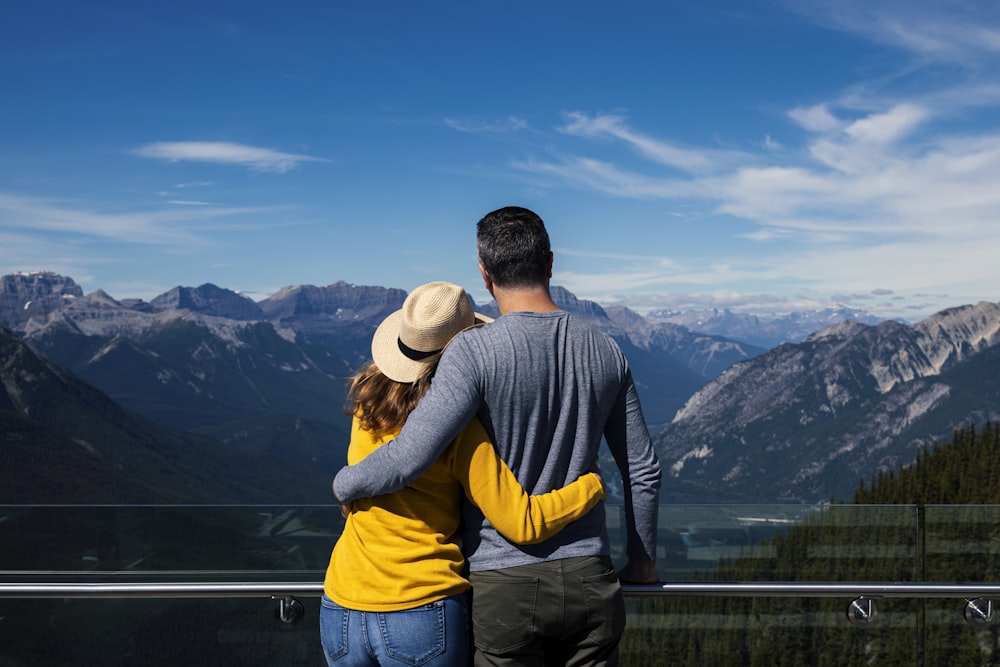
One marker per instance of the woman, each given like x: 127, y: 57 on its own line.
x: 394, y: 591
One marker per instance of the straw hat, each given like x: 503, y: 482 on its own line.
x: 413, y: 337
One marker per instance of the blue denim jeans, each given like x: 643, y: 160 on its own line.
x: 433, y: 635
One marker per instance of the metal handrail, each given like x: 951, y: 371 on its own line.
x: 173, y: 589
x: 817, y: 589
x: 315, y: 589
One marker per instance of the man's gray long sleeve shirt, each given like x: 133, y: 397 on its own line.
x: 547, y: 387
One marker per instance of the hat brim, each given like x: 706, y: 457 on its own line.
x: 391, y: 361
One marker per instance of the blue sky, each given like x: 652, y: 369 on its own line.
x: 758, y: 155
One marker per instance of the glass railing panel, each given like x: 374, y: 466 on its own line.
x: 776, y: 543
x: 200, y: 542
x: 961, y: 543
x: 949, y: 639
x: 138, y: 544
x: 782, y: 542
x: 749, y: 631
x: 155, y: 633
x: 768, y: 542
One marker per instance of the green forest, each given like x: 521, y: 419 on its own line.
x: 933, y: 521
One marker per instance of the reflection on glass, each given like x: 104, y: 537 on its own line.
x: 711, y: 543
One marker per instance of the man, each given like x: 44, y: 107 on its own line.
x: 547, y: 388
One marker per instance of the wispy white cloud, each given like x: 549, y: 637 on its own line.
x: 174, y: 225
x: 884, y: 128
x: 953, y: 31
x: 479, y: 125
x: 221, y: 152
x: 614, y: 126
x: 586, y: 285
x: 866, y: 185
x: 881, y: 173
x: 592, y: 174
x: 750, y: 302
x: 629, y: 273
x: 765, y: 234
x: 816, y: 118
x: 632, y: 258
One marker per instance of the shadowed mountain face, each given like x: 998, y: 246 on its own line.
x: 65, y: 441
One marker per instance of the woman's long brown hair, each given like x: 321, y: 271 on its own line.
x: 382, y: 405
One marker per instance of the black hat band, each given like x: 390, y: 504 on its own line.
x: 415, y: 355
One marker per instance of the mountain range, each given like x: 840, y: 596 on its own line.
x: 270, y: 377
x: 810, y: 421
x: 201, y: 356
x: 799, y: 422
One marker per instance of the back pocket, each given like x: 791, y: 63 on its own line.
x: 333, y: 622
x: 605, y: 607
x: 416, y: 635
x: 503, y: 612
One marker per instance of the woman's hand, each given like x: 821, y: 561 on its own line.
x: 345, y: 508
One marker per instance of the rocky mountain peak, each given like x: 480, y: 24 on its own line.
x: 38, y: 284
x: 953, y: 334
x: 626, y: 318
x: 208, y: 299
x: 842, y: 330
x: 567, y: 301
x: 340, y: 301
x: 36, y: 294
x: 100, y: 296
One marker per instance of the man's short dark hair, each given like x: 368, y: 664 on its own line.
x: 514, y: 247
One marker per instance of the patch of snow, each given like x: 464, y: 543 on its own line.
x: 286, y: 333
x: 733, y: 473
x: 86, y: 445
x: 702, y: 452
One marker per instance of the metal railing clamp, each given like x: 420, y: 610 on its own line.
x: 861, y: 612
x: 978, y: 612
x: 288, y: 610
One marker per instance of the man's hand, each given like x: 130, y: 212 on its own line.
x: 345, y: 508
x: 639, y: 572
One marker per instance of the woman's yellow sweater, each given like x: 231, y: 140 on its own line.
x: 402, y: 550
